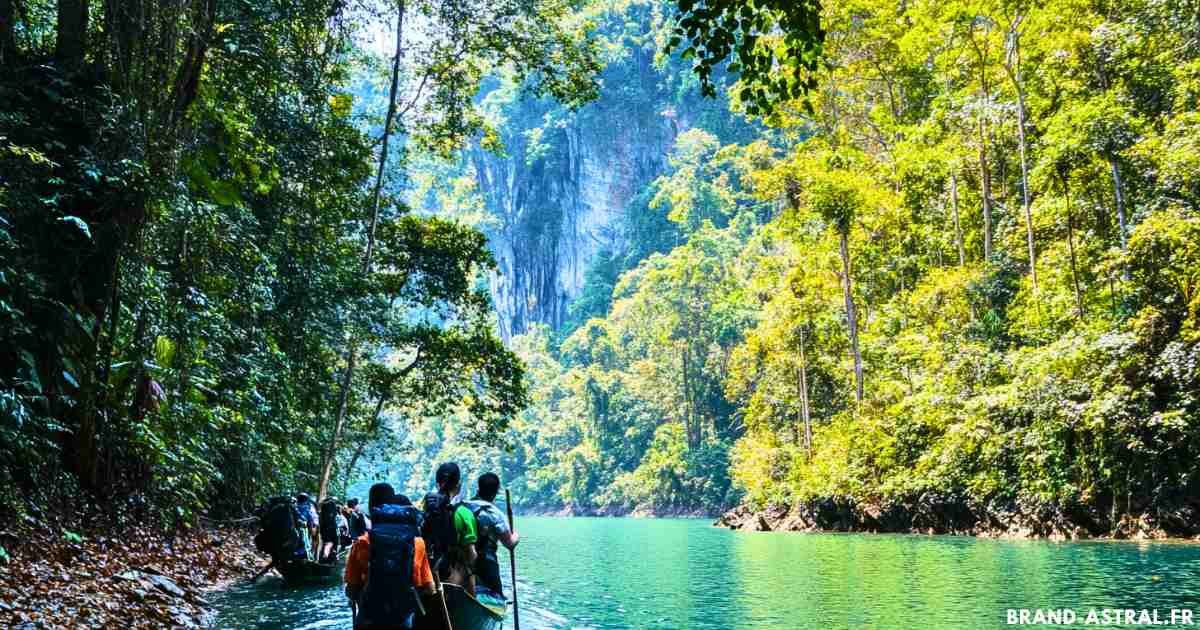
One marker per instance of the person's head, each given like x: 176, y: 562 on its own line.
x: 380, y: 494
x: 352, y: 502
x: 401, y: 499
x: 448, y: 478
x: 489, y: 486
x: 302, y: 497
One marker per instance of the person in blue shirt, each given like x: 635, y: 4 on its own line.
x: 308, y: 518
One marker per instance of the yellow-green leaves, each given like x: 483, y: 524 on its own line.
x: 341, y: 104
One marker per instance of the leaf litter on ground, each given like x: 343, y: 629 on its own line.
x: 136, y: 578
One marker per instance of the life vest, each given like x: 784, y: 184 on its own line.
x: 487, y: 564
x: 277, y: 536
x: 438, y: 527
x: 389, y: 598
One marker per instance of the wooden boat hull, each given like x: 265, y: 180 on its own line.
x: 307, y: 572
x: 466, y: 612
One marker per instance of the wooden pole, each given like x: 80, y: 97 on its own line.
x: 261, y: 573
x: 512, y: 562
x: 441, y: 592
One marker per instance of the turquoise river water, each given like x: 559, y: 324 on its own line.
x: 685, y: 573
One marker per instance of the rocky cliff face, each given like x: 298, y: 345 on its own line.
x: 560, y: 191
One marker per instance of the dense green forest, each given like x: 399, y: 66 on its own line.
x: 213, y: 287
x: 867, y: 255
x: 961, y: 272
x: 209, y: 286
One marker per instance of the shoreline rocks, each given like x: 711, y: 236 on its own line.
x: 933, y: 513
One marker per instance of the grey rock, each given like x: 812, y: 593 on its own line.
x: 166, y: 585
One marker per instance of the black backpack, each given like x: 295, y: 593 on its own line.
x: 437, y: 527
x: 327, y: 517
x: 388, y: 600
x: 277, y: 535
x: 358, y: 523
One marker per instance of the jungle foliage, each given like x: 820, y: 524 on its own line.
x: 951, y: 249
x: 200, y: 241
x: 965, y: 263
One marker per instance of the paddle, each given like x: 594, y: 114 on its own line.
x: 512, y: 562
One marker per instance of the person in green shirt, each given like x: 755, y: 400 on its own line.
x: 465, y: 526
x: 450, y: 529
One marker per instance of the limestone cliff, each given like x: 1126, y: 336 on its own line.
x: 560, y: 190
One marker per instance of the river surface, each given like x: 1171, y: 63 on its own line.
x: 684, y: 573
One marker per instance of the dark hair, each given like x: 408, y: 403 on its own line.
x: 448, y: 476
x: 400, y: 499
x: 302, y: 497
x: 380, y: 494
x: 489, y: 485
x: 352, y: 502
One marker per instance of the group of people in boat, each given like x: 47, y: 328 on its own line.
x: 399, y: 554
x: 296, y: 529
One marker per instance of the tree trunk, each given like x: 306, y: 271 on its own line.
x: 689, y: 406
x: 1119, y: 194
x: 8, y: 41
x: 805, y: 414
x: 985, y: 171
x: 358, y: 448
x: 958, y: 236
x: 1071, y: 249
x: 339, y: 421
x: 851, y: 317
x: 187, y: 77
x: 102, y: 356
x: 986, y: 178
x: 1112, y: 294
x: 1015, y: 76
x: 798, y: 426
x: 71, y: 34
x: 124, y: 26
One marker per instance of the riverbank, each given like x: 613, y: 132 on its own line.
x: 935, y: 514
x: 139, y: 578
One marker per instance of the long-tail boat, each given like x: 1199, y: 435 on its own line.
x: 466, y: 612
x: 304, y: 572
